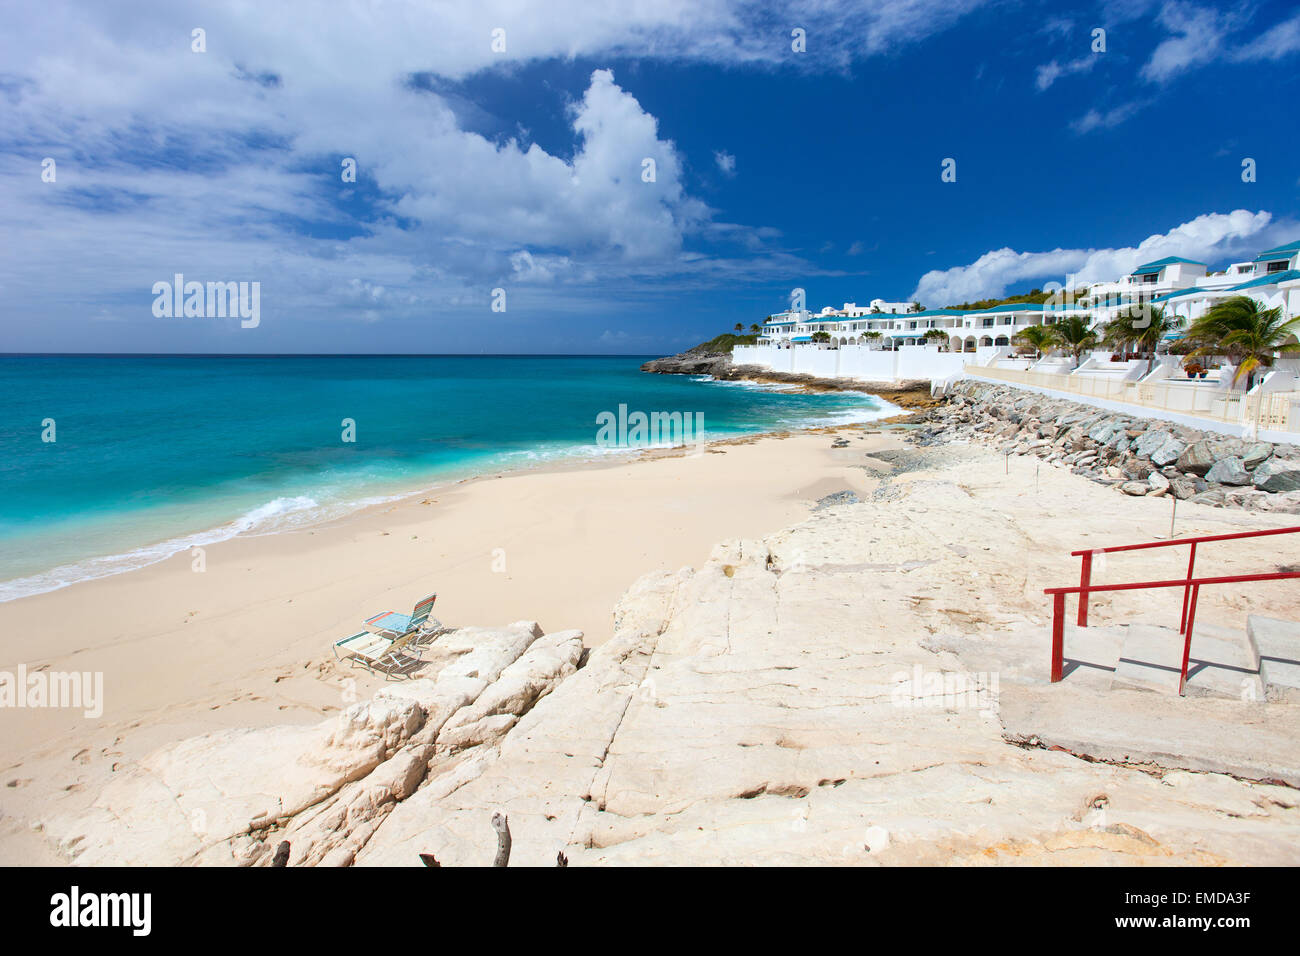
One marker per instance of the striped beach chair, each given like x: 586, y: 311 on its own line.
x: 395, y: 624
x: 392, y: 657
x: 392, y: 643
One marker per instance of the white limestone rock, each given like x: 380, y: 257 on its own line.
x: 226, y: 798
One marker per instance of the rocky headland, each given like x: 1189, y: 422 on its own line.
x: 720, y: 365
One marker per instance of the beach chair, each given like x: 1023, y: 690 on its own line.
x: 390, y: 656
x: 395, y: 624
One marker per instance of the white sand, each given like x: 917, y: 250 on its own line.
x: 247, y: 642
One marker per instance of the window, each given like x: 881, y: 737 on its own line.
x: 1277, y: 266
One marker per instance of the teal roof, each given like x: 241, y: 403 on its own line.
x: 1271, y: 279
x: 1147, y: 268
x: 1181, y: 292
x: 1279, y: 252
x: 802, y: 338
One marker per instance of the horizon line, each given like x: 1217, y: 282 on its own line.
x: 323, y: 354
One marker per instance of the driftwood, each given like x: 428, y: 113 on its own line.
x: 281, y: 857
x: 501, y: 823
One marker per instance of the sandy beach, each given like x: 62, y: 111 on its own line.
x: 247, y: 642
x: 941, y: 550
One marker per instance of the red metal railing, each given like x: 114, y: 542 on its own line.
x: 1191, y: 589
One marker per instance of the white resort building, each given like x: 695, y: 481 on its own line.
x: 891, y: 342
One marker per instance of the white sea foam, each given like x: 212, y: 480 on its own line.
x: 279, y: 514
x: 291, y: 513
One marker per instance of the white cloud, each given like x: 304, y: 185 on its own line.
x: 726, y: 162
x: 226, y: 163
x: 1210, y: 238
x: 1278, y: 41
x: 1095, y: 119
x: 1198, y: 37
x: 1049, y: 73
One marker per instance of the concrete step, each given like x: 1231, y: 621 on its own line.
x: 1275, y: 644
x: 1091, y: 654
x: 1221, y: 662
x: 1150, y: 659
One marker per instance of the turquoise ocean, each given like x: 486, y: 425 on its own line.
x: 153, y: 455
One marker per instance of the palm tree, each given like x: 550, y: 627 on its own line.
x: 1144, y: 327
x: 1248, y: 334
x: 917, y: 307
x: 753, y: 328
x: 740, y: 327
x: 1075, y: 336
x: 1038, y: 337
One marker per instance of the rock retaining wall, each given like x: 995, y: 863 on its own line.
x: 1138, y: 456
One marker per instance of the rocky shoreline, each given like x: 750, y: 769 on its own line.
x: 1140, y: 457
x: 909, y: 394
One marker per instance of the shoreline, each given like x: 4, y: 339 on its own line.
x: 730, y: 696
x: 247, y: 642
x: 370, y: 497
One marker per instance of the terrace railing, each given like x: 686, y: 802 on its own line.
x: 1190, y: 584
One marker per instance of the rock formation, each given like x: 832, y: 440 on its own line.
x: 232, y: 797
x: 867, y: 687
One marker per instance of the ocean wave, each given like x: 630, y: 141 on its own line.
x: 277, y: 515
x: 749, y: 386
x: 297, y: 512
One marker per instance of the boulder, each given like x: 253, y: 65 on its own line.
x: 1197, y: 458
x: 1229, y: 471
x: 1103, y: 430
x: 1277, y: 475
x: 1135, y: 488
x: 1167, y: 452
x: 1159, y: 483
x: 1256, y: 453
x: 1150, y: 441
x: 1182, y: 488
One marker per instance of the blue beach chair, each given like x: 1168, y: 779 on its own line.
x: 395, y: 624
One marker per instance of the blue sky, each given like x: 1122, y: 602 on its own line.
x: 480, y: 169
